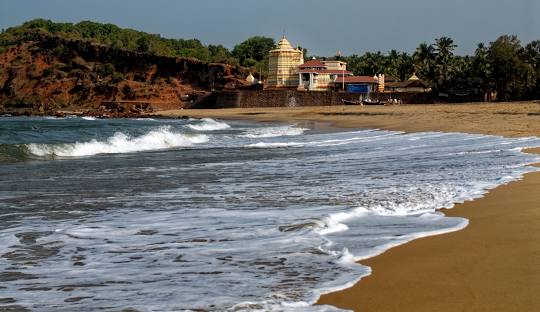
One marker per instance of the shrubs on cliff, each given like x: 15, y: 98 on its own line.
x: 250, y: 53
x: 117, y: 37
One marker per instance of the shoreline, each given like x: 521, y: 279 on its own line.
x: 489, y: 265
x: 433, y: 273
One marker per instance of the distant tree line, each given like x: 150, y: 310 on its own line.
x: 504, y: 65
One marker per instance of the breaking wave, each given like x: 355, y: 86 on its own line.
x: 279, y: 227
x: 273, y: 145
x: 209, y: 124
x: 161, y: 138
x: 271, y: 132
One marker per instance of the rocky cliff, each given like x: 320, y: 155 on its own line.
x: 46, y: 74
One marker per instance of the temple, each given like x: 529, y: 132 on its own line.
x: 283, y: 66
x: 413, y: 84
x: 287, y: 70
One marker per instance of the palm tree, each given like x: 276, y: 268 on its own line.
x: 445, y: 49
x: 481, y: 71
x: 424, y: 61
x: 445, y: 55
x: 392, y: 65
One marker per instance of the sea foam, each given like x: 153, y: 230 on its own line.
x: 208, y: 124
x: 273, y: 229
x: 161, y: 138
x: 270, y: 132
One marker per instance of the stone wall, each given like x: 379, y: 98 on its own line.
x: 293, y: 98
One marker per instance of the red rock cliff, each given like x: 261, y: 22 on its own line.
x: 48, y: 73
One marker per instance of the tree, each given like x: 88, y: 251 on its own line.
x: 531, y: 57
x: 256, y: 48
x: 374, y: 63
x: 304, y: 52
x: 509, y: 72
x: 143, y: 45
x: 399, y: 64
x: 444, y: 48
x: 480, y: 75
x: 219, y: 53
x: 424, y: 61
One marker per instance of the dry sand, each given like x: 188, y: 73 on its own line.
x: 492, y: 265
x: 507, y: 119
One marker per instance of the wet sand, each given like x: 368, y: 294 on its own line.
x: 492, y: 265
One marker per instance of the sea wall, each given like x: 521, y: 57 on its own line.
x: 293, y: 98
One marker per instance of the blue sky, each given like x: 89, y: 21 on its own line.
x: 323, y: 27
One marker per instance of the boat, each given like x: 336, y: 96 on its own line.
x: 349, y: 102
x: 372, y: 102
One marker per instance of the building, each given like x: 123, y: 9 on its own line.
x: 283, y: 65
x: 315, y: 75
x: 357, y: 84
x: 287, y: 70
x: 250, y: 79
x: 412, y: 85
x: 335, y: 65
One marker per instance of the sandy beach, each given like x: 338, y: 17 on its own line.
x: 506, y: 119
x: 492, y: 265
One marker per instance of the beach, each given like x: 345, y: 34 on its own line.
x: 506, y: 119
x: 492, y: 265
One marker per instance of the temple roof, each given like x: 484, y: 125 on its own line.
x: 284, y: 44
x: 411, y: 83
x: 324, y: 71
x: 390, y: 78
x: 312, y: 64
x: 414, y: 77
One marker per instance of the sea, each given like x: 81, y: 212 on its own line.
x: 214, y: 215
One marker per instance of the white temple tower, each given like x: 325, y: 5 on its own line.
x: 283, y: 66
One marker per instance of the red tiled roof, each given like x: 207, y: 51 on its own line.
x: 408, y: 84
x: 338, y: 72
x: 356, y: 79
x: 390, y: 78
x: 313, y: 63
x: 324, y: 71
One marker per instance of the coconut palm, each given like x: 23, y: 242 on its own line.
x: 444, y: 47
x: 424, y: 61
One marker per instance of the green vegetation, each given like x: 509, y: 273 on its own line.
x: 117, y: 37
x: 254, y: 52
x: 505, y: 65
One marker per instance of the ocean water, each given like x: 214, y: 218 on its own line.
x: 208, y: 215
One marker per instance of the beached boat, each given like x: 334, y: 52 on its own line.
x: 349, y: 102
x: 372, y: 102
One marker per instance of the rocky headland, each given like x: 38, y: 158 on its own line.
x: 45, y: 74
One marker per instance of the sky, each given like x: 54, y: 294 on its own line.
x: 322, y: 26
